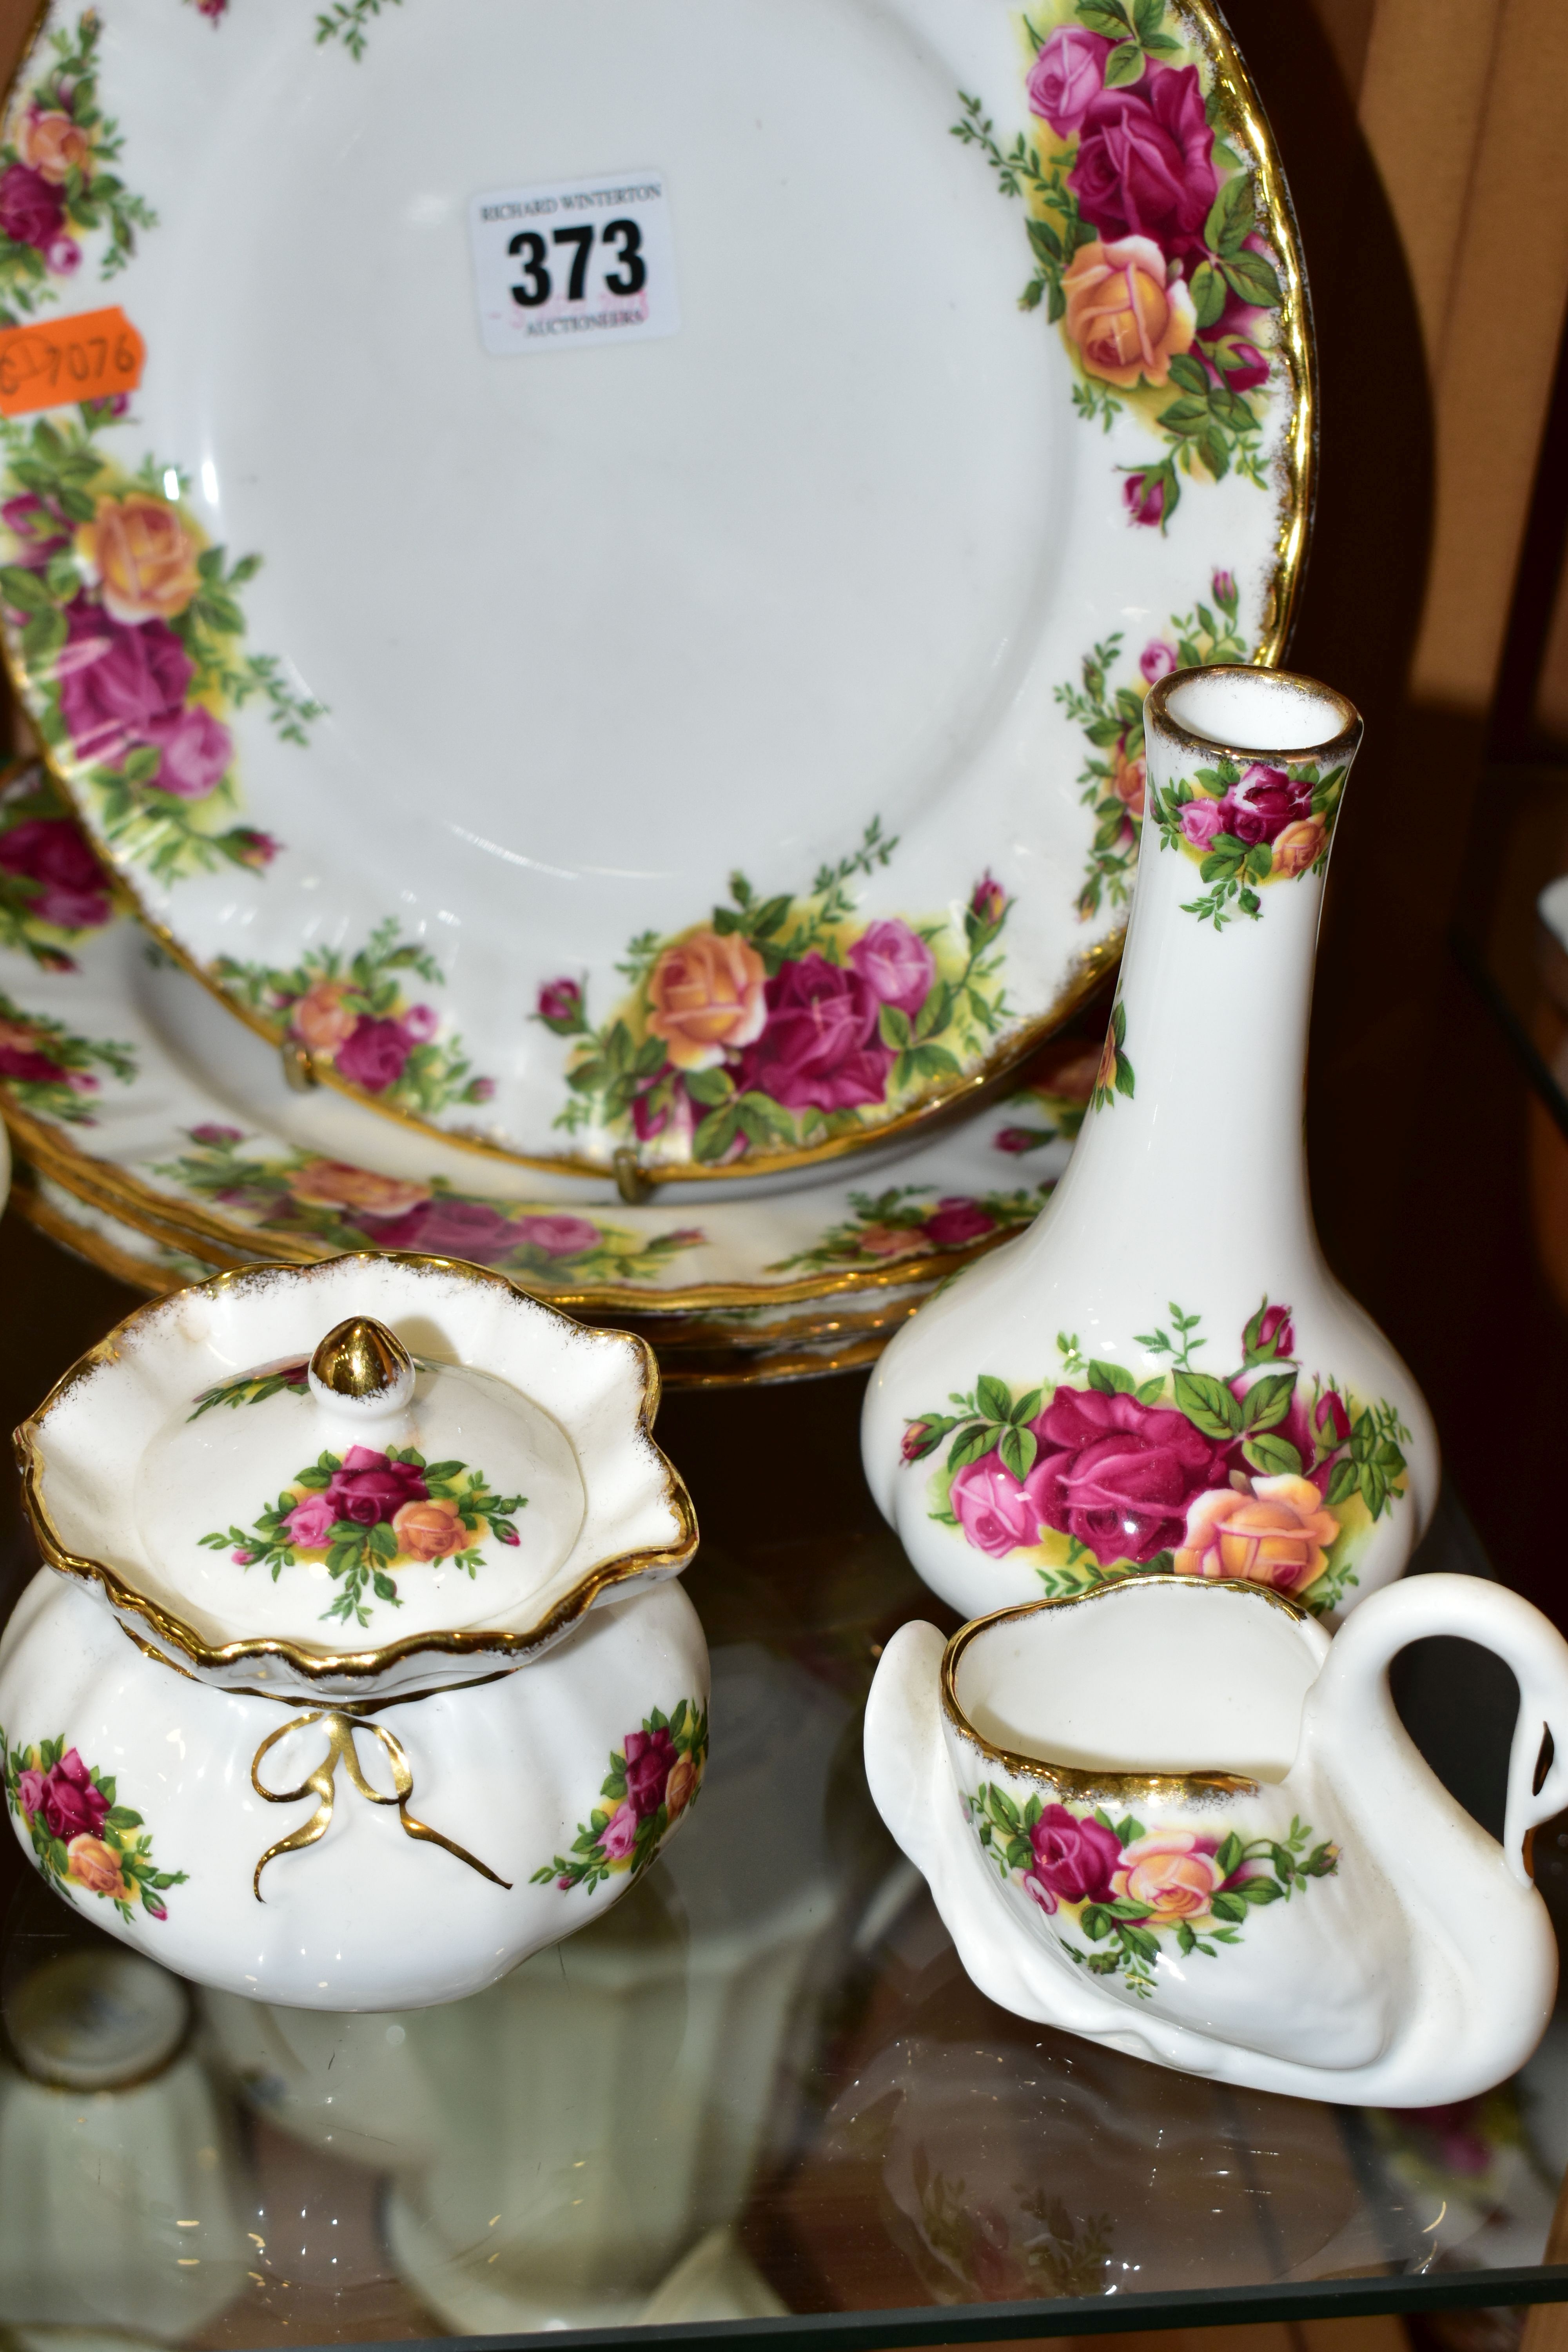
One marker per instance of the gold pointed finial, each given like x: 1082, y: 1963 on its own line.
x: 362, y: 1359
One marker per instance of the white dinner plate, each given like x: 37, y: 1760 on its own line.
x: 606, y: 620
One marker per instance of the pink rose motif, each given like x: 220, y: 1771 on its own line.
x: 1200, y: 821
x: 1146, y: 164
x: 1119, y: 1474
x: 1074, y: 1859
x: 72, y: 1806
x: 31, y: 211
x: 30, y: 1790
x: 820, y: 1047
x: 421, y: 1023
x: 374, y: 1054
x: 64, y: 257
x: 1067, y: 74
x: 896, y: 965
x: 369, y: 1488
x: 1265, y: 801
x: 956, y: 1220
x: 242, y: 1559
x: 650, y: 1756
x: 558, y: 1237
x: 52, y: 853
x: 619, y: 1835
x: 1157, y: 660
x: 995, y: 1511
x: 311, y: 1522
x: 116, y: 679
x: 1144, y: 496
x: 195, y: 750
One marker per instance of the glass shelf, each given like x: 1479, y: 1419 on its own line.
x: 761, y: 2093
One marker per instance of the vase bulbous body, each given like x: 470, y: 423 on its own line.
x: 1163, y: 1374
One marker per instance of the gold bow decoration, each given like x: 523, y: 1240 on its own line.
x: 341, y: 1728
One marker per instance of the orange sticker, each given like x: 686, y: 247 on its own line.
x: 90, y: 357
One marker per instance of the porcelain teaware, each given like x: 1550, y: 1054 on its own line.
x: 378, y: 1474
x: 350, y: 1856
x: 357, y: 1672
x: 1162, y: 1373
x: 1170, y: 1816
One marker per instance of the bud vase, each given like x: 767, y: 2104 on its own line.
x: 1162, y: 1374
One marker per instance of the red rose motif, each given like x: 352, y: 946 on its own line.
x: 819, y: 1048
x: 31, y: 211
x: 369, y: 1488
x: 116, y: 680
x: 51, y: 852
x: 1144, y: 496
x: 1146, y: 164
x: 650, y: 1758
x: 1119, y: 1474
x: 1073, y: 1859
x: 956, y: 1220
x: 374, y: 1054
x: 1265, y: 801
x: 72, y: 1807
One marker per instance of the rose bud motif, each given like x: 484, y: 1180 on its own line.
x: 680, y: 1787
x: 1144, y: 496
x: 988, y: 902
x: 560, y: 1006
x: 1330, y: 1418
x: 1223, y: 589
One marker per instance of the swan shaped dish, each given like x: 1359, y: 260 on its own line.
x: 1260, y: 1880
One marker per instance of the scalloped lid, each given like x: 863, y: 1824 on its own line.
x: 358, y: 1489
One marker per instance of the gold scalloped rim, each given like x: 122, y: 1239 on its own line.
x: 1085, y: 1787
x: 315, y: 1665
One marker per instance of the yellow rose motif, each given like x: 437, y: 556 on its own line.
x: 706, y: 995
x: 1270, y: 1531
x: 321, y: 1020
x: 142, y: 557
x: 1168, y: 1875
x: 96, y: 1866
x: 1129, y: 780
x: 1127, y: 322
x: 1299, y: 846
x: 428, y: 1530
x: 680, y: 1787
x: 333, y: 1184
x: 53, y: 145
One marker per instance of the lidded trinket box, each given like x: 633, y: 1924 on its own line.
x: 261, y: 1713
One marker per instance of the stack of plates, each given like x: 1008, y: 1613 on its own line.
x: 601, y: 639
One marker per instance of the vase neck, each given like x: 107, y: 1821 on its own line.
x: 1200, y: 1112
